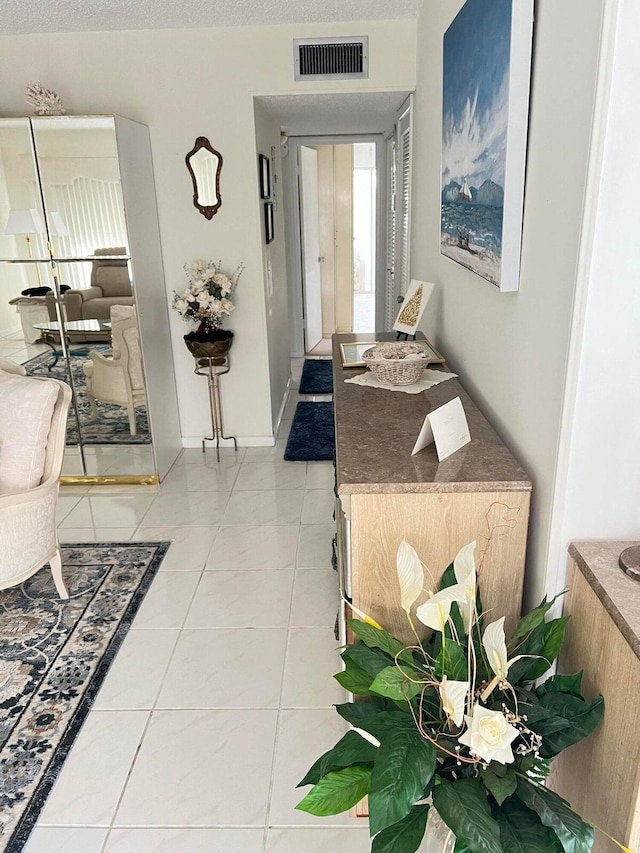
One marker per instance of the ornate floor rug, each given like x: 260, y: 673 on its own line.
x: 317, y: 376
x: 54, y: 655
x: 112, y: 425
x: 311, y: 438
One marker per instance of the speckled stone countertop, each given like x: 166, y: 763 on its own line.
x: 619, y: 594
x: 377, y: 429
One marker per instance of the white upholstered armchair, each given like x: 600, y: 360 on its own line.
x: 33, y: 428
x: 118, y: 377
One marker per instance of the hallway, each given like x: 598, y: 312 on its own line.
x: 220, y: 698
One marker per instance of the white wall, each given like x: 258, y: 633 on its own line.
x: 601, y: 497
x: 510, y: 349
x: 274, y: 262
x: 183, y: 84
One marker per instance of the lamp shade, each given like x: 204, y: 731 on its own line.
x: 24, y: 222
x: 57, y: 225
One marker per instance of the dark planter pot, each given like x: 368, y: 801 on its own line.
x: 209, y: 344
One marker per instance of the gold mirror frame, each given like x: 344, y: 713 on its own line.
x: 207, y: 210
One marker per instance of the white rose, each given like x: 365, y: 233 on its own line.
x: 489, y: 735
x: 180, y: 304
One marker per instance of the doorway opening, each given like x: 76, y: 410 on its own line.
x: 339, y: 206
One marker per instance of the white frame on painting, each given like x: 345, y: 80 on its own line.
x: 485, y: 112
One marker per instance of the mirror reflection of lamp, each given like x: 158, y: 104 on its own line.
x: 25, y: 222
x: 57, y: 227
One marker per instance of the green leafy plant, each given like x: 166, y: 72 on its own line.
x: 456, y: 723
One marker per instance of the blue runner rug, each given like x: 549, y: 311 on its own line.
x: 317, y: 376
x: 312, y: 437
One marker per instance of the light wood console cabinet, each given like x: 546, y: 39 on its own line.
x: 600, y: 776
x: 384, y: 495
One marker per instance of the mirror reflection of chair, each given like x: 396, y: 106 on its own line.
x: 118, y: 377
x: 33, y: 428
x: 110, y: 285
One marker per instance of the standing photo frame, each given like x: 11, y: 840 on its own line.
x: 412, y: 307
x: 485, y: 111
x: 268, y: 222
x: 264, y: 169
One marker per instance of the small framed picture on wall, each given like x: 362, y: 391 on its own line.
x: 268, y: 222
x: 265, y: 176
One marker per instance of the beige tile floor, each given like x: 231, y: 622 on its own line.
x: 220, y: 698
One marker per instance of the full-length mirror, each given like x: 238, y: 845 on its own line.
x: 205, y: 164
x: 74, y: 315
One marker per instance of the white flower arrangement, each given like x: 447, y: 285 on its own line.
x: 209, y: 297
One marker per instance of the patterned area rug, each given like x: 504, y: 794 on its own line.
x: 311, y: 438
x: 112, y: 425
x: 54, y: 655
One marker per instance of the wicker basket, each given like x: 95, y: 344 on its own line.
x: 396, y: 363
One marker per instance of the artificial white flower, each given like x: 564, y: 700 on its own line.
x: 464, y: 568
x: 495, y: 646
x: 435, y: 612
x: 410, y: 575
x: 489, y: 735
x: 453, y: 695
x: 366, y: 735
x: 209, y: 296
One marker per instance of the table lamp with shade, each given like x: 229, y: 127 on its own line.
x: 57, y: 226
x: 25, y: 222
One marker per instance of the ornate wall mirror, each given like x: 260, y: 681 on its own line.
x: 205, y: 164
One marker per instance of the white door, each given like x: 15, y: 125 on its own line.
x: 311, y: 279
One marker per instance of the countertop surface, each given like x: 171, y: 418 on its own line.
x: 376, y: 430
x: 619, y: 594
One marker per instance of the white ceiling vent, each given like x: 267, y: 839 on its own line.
x: 331, y: 58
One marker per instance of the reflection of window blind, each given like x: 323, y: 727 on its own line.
x: 205, y: 169
x: 93, y: 212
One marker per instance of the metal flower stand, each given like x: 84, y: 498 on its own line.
x: 213, y: 368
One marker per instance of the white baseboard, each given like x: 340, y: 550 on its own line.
x: 283, y: 406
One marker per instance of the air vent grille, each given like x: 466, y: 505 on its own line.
x: 331, y: 59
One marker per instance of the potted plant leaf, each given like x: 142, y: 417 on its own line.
x: 457, y: 724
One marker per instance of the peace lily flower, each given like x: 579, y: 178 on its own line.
x: 434, y: 613
x: 410, y: 575
x: 464, y: 568
x: 489, y: 735
x: 495, y: 645
x: 453, y: 695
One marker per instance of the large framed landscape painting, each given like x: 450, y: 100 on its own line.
x: 485, y: 109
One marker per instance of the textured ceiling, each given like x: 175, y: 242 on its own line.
x: 312, y: 115
x: 53, y: 16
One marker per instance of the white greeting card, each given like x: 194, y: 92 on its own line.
x: 447, y: 426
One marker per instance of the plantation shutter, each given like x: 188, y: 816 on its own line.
x: 403, y: 205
